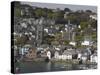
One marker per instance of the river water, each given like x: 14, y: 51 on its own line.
x: 31, y: 67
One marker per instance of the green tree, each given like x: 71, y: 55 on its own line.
x: 66, y: 42
x: 17, y: 12
x: 50, y: 14
x: 93, y: 23
x: 21, y: 40
x: 94, y: 36
x: 67, y: 10
x: 84, y: 25
x: 17, y: 9
x: 88, y: 11
x: 39, y: 12
x: 48, y: 39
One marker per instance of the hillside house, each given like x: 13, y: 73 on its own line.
x: 31, y: 54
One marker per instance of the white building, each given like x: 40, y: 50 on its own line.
x: 84, y: 58
x: 46, y: 30
x: 79, y: 55
x: 93, y: 17
x: 65, y: 15
x: 86, y: 54
x: 49, y: 54
x: 93, y: 58
x: 58, y: 49
x: 85, y: 43
x: 66, y: 55
x: 56, y: 55
x: 72, y: 43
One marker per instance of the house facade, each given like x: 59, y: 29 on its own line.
x: 65, y: 55
x: 31, y: 54
x: 93, y: 58
x: 49, y: 54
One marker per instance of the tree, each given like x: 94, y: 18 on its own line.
x: 48, y: 39
x: 94, y: 36
x: 39, y: 12
x: 93, y: 23
x: 88, y: 11
x: 79, y: 38
x: 17, y: 9
x: 17, y: 3
x: 21, y: 40
x: 17, y: 12
x: 84, y: 25
x: 50, y: 15
x: 73, y: 18
x: 45, y: 12
x: 67, y: 10
x: 66, y: 42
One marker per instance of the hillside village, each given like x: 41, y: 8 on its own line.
x: 53, y: 34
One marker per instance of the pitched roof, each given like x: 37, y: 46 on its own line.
x: 69, y: 52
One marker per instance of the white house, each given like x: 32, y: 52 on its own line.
x: 93, y: 58
x: 58, y: 49
x: 85, y: 43
x: 79, y: 26
x: 84, y: 58
x: 72, y: 43
x: 49, y: 54
x: 67, y: 54
x: 15, y: 50
x: 79, y: 56
x: 46, y: 30
x: 93, y: 16
x: 65, y: 15
x: 60, y: 57
x: 56, y: 55
x: 85, y: 54
x: 23, y: 50
x: 64, y: 56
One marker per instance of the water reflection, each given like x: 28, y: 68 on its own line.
x: 48, y: 66
x: 29, y: 67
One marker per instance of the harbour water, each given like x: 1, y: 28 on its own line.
x: 31, y: 67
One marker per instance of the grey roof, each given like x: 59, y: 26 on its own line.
x: 69, y: 52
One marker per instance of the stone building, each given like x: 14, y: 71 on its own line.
x: 31, y: 54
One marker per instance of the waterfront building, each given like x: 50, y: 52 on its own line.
x: 67, y: 54
x: 56, y: 55
x: 49, y: 54
x: 93, y: 58
x: 94, y: 16
x: 31, y: 54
